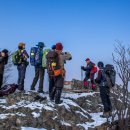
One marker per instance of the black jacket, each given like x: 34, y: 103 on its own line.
x: 101, y: 77
x: 89, y: 67
x: 3, y: 62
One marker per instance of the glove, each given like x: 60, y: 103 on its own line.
x: 70, y: 58
x: 82, y: 67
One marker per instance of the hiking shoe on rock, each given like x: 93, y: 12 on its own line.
x: 33, y: 89
x: 40, y: 91
x: 61, y: 101
x: 105, y: 115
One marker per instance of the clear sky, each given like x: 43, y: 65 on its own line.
x: 87, y: 28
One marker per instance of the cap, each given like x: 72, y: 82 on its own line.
x: 87, y: 59
x: 41, y: 44
x: 59, y: 46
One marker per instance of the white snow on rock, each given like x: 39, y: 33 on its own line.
x: 97, y: 121
x: 77, y: 95
x: 51, y: 107
x: 31, y: 105
x: 2, y: 101
x: 65, y: 123
x: 4, y: 116
x: 30, y: 128
x: 35, y: 115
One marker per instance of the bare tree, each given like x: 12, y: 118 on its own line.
x: 121, y: 58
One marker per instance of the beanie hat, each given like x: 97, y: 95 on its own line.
x: 59, y: 46
x: 87, y: 59
x: 5, y: 51
x: 21, y: 44
x: 100, y: 64
x: 53, y: 47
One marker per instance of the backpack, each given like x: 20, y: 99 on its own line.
x: 53, y: 67
x: 44, y: 60
x: 35, y: 56
x: 110, y: 75
x: 33, y: 52
x: 16, y: 57
x: 8, y: 89
x: 94, y: 69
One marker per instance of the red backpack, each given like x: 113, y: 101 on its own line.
x: 94, y: 69
x: 8, y: 89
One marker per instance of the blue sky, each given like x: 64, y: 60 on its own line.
x: 87, y: 28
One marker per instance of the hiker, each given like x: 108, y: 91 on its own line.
x: 51, y: 78
x: 90, y: 70
x: 19, y: 59
x: 3, y: 61
x: 56, y: 72
x: 39, y: 69
x: 104, y: 90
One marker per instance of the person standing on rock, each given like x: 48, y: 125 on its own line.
x: 39, y: 69
x: 19, y: 59
x: 90, y: 70
x: 51, y: 78
x: 104, y: 90
x: 3, y: 61
x: 56, y: 72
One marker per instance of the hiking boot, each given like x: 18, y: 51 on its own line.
x: 105, y: 115
x: 59, y: 102
x: 33, y: 89
x: 40, y: 91
x: 85, y: 85
x: 93, y: 87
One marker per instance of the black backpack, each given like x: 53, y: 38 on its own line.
x: 52, y: 63
x: 110, y: 75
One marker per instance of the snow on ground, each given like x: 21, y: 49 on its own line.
x: 31, y: 105
x: 2, y: 101
x: 97, y: 121
x: 35, y: 115
x: 3, y: 116
x: 50, y: 106
x: 65, y: 123
x: 95, y: 116
x: 77, y: 95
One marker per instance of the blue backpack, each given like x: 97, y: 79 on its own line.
x: 35, y: 57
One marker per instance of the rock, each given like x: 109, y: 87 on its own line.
x: 89, y: 128
x: 18, y: 122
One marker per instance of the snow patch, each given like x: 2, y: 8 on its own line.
x: 35, y: 115
x: 65, y: 123
x: 81, y: 113
x: 2, y: 101
x: 78, y: 95
x: 97, y: 121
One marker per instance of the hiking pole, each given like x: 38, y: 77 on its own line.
x: 81, y: 75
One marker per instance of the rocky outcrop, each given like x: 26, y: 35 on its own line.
x: 33, y: 110
x: 79, y: 111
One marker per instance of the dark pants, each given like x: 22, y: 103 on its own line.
x: 1, y: 80
x: 104, y: 93
x: 51, y: 84
x: 57, y: 89
x: 21, y: 76
x: 39, y: 73
x: 89, y: 76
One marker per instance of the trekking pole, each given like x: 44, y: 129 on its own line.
x: 81, y: 75
x: 82, y: 78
